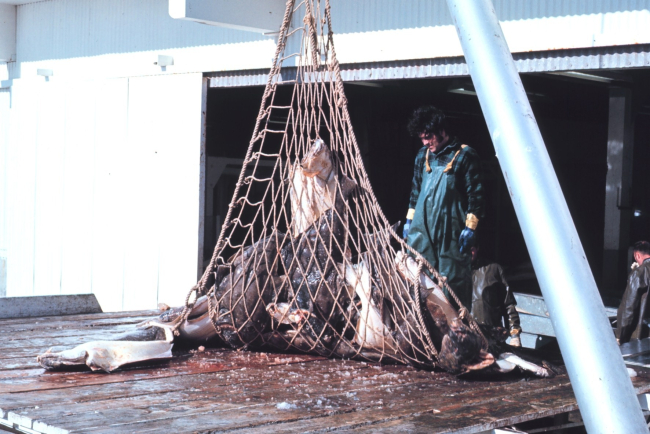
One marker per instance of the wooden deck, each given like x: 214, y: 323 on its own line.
x: 224, y: 390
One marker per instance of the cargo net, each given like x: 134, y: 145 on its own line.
x: 306, y: 260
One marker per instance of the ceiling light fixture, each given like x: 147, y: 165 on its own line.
x: 462, y: 91
x: 583, y: 76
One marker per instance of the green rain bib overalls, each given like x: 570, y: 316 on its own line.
x: 446, y: 193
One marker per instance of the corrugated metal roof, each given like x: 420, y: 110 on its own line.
x: 622, y: 57
x: 390, y: 30
x: 116, y: 38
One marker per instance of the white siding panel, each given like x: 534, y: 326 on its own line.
x: 163, y: 180
x: 78, y: 177
x: 21, y: 181
x: 141, y: 229
x: 110, y: 216
x: 48, y: 205
x: 119, y: 38
x: 179, y: 157
x: 102, y: 187
x: 5, y: 122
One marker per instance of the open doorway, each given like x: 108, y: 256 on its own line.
x: 572, y: 115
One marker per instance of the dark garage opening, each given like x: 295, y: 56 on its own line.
x: 572, y: 115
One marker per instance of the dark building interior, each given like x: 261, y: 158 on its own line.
x: 573, y: 118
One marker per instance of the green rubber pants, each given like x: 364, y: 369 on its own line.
x: 436, y: 227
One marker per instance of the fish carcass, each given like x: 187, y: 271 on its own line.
x: 319, y: 194
x: 371, y: 332
x: 109, y: 355
x: 460, y: 349
x: 300, y: 291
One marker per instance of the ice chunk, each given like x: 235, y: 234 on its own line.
x: 285, y: 406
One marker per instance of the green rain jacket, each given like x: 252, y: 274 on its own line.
x: 441, y: 200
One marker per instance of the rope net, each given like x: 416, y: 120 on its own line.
x: 306, y: 260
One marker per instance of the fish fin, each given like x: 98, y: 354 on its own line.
x: 483, y: 361
x: 347, y: 185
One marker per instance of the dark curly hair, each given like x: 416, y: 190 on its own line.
x: 427, y: 119
x: 642, y: 246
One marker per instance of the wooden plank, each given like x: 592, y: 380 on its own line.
x: 322, y: 387
x: 362, y: 403
x: 65, y: 336
x: 221, y: 389
x: 281, y: 369
x: 470, y: 420
x: 256, y: 404
x: 74, y: 322
x: 28, y: 362
x: 83, y: 415
x: 63, y: 339
x: 215, y: 391
x: 82, y: 320
x: 38, y: 379
x: 431, y: 399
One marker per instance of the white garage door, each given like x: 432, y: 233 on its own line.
x: 102, y: 189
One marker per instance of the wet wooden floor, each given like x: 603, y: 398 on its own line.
x: 223, y: 390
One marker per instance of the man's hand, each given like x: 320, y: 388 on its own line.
x: 407, y: 226
x: 467, y: 240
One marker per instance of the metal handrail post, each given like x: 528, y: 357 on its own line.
x: 600, y: 381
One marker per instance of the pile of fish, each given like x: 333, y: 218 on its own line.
x: 301, y: 291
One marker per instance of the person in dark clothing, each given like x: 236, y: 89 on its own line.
x: 446, y: 201
x: 634, y: 313
x: 493, y: 302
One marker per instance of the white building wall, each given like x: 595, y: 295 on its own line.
x: 388, y: 30
x: 99, y: 190
x: 103, y: 193
x: 118, y: 38
x: 122, y: 38
x: 5, y: 101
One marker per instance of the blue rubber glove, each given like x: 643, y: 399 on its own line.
x: 466, y: 240
x: 407, y: 226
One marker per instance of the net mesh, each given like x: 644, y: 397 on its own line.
x: 306, y: 260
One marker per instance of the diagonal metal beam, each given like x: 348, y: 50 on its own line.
x: 598, y: 375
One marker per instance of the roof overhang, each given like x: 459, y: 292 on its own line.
x: 251, y: 15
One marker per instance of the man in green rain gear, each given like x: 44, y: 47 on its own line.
x: 446, y: 201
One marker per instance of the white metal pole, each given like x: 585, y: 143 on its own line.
x: 600, y: 381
